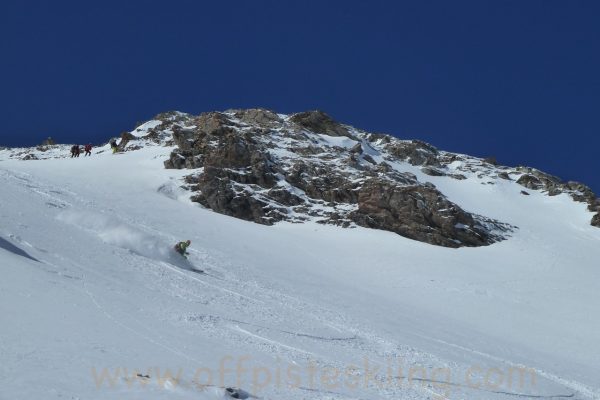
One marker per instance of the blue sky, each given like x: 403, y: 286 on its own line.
x: 515, y: 79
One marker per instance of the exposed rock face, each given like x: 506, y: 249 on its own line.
x: 530, y: 182
x: 126, y: 137
x: 504, y: 175
x: 260, y: 117
x: 415, y: 152
x: 259, y: 166
x: 433, y: 171
x: 553, y: 186
x: 419, y: 212
x: 596, y: 220
x: 319, y: 122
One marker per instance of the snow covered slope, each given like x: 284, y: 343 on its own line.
x: 91, y: 294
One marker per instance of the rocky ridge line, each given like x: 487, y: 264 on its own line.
x: 265, y: 167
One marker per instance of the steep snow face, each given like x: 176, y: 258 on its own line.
x: 92, y: 295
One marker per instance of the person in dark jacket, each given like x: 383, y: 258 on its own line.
x: 181, y: 247
x: 88, y: 150
x: 113, y: 146
x: 75, y: 151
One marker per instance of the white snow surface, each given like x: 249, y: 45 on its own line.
x: 92, y: 294
x: 143, y: 129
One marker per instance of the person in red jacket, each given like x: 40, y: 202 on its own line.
x: 88, y: 149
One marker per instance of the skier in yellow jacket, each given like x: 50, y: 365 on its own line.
x: 181, y: 247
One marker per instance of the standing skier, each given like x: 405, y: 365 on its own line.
x: 75, y: 151
x: 88, y: 150
x: 113, y: 146
x: 181, y: 247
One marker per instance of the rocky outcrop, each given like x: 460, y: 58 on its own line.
x: 553, y: 186
x: 126, y: 137
x: 538, y: 180
x: 596, y: 220
x: 530, y: 182
x: 258, y: 117
x: 259, y: 166
x: 234, y: 165
x: 504, y: 175
x: 319, y: 122
x: 415, y: 152
x: 431, y: 171
x: 419, y: 212
x: 222, y: 194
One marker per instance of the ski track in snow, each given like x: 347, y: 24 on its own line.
x: 575, y: 386
x: 134, y: 331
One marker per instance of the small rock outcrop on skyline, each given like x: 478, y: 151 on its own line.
x: 553, y: 186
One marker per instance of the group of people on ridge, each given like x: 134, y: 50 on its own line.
x: 76, y: 150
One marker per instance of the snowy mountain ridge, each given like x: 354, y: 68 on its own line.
x: 265, y: 167
x: 95, y: 304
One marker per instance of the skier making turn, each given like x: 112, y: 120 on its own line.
x: 181, y: 247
